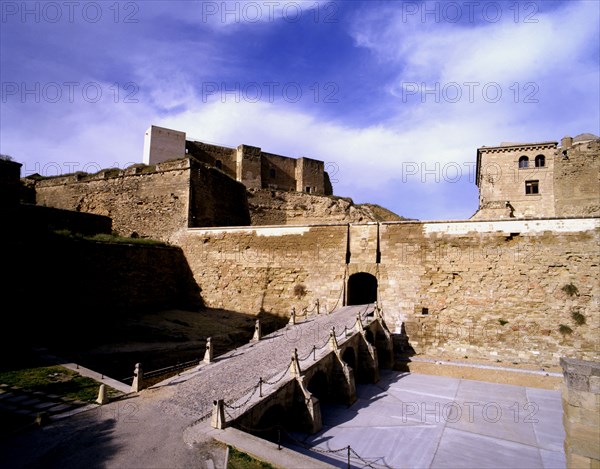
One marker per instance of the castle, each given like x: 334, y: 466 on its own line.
x: 505, y: 284
x: 247, y: 164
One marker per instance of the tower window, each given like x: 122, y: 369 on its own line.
x: 272, y: 173
x: 540, y: 161
x: 532, y: 187
x: 219, y: 164
x: 523, y: 162
x: 307, y: 189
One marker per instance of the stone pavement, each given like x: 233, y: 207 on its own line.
x: 422, y: 421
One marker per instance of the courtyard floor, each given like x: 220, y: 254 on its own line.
x: 422, y: 421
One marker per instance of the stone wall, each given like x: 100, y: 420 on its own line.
x: 63, y: 287
x: 216, y: 199
x: 494, y: 290
x: 581, y: 413
x: 152, y: 201
x: 309, y: 176
x: 577, y: 180
x: 36, y: 219
x: 568, y: 183
x: 162, y: 144
x: 10, y: 186
x: 501, y: 180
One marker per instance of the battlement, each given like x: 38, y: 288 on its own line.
x: 247, y: 164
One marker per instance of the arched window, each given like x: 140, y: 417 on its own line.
x: 219, y: 164
x: 540, y: 161
x: 523, y: 162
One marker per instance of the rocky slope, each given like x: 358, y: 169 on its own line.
x: 269, y: 207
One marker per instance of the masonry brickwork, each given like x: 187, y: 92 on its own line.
x: 494, y: 290
x: 539, y: 180
x: 247, y: 164
x: 158, y: 201
x: 581, y: 413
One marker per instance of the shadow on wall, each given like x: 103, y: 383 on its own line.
x: 403, y: 350
x: 62, y: 288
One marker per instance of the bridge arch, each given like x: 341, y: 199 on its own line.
x: 349, y: 356
x: 362, y: 289
x: 318, y: 385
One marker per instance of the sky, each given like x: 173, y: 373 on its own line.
x: 395, y: 96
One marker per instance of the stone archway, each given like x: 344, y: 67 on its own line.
x: 362, y: 289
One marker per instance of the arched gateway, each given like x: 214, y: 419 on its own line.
x: 362, y: 289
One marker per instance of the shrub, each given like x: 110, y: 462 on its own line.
x: 578, y: 318
x: 502, y: 322
x: 299, y: 290
x: 570, y: 289
x: 564, y: 329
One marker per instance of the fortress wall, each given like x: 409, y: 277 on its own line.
x: 492, y: 290
x: 216, y: 199
x: 153, y: 204
x: 62, y: 285
x: 495, y: 291
x: 577, y: 181
x: 284, y: 177
x: 271, y: 269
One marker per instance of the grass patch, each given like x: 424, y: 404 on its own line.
x: 240, y: 460
x: 110, y: 238
x: 55, y: 380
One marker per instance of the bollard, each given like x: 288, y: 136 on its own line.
x: 208, y: 355
x: 218, y: 416
x: 257, y: 332
x: 102, y: 397
x: 317, y: 305
x: 292, y: 316
x: 295, y: 370
x: 138, y: 376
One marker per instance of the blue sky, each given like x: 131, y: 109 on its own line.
x: 394, y: 96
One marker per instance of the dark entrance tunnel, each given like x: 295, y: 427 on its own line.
x: 362, y: 289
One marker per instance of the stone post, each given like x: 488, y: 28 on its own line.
x: 218, y: 416
x: 358, y: 326
x: 295, y: 370
x: 317, y: 305
x: 208, y: 355
x: 333, y: 343
x: 102, y: 397
x: 581, y: 412
x: 138, y: 377
x: 257, y: 331
x: 292, y: 321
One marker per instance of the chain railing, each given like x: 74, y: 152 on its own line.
x: 347, y: 451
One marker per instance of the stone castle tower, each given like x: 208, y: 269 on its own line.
x: 539, y: 180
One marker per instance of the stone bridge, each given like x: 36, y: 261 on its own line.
x: 323, y: 373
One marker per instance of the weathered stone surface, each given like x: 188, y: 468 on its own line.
x: 271, y: 207
x: 152, y: 201
x: 581, y: 413
x: 568, y: 181
x: 488, y: 292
